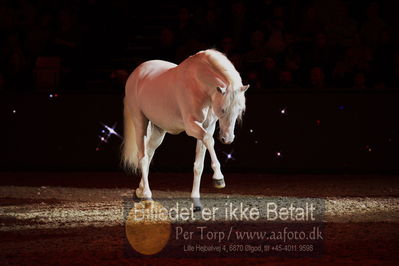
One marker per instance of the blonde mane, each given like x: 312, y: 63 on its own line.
x: 223, y: 66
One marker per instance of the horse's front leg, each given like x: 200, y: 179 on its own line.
x: 198, y: 167
x: 195, y: 129
x: 218, y: 178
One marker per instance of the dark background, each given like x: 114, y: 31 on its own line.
x: 323, y: 75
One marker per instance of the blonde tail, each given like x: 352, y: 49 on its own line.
x: 129, y: 150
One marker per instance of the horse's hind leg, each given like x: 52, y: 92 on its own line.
x: 154, y: 138
x: 140, y: 123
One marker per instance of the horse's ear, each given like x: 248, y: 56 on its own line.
x: 244, y: 88
x: 221, y: 90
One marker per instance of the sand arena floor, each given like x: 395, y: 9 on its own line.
x: 77, y: 218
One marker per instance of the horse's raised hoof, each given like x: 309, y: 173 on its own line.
x: 219, y: 183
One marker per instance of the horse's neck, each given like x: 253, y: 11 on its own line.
x: 205, y: 77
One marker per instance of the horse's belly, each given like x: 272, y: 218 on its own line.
x: 168, y: 119
x: 169, y: 128
x: 172, y: 126
x: 174, y: 131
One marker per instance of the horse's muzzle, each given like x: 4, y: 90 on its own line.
x: 225, y: 140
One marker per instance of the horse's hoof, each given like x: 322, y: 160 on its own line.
x: 197, y: 204
x: 135, y: 196
x: 219, y: 183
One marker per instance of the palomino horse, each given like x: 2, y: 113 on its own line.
x: 162, y: 97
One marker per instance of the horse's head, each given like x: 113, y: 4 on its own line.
x: 228, y: 105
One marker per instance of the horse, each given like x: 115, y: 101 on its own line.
x: 162, y: 97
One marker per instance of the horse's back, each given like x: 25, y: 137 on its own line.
x: 151, y: 68
x: 147, y: 71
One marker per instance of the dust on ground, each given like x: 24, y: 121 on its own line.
x: 80, y: 221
